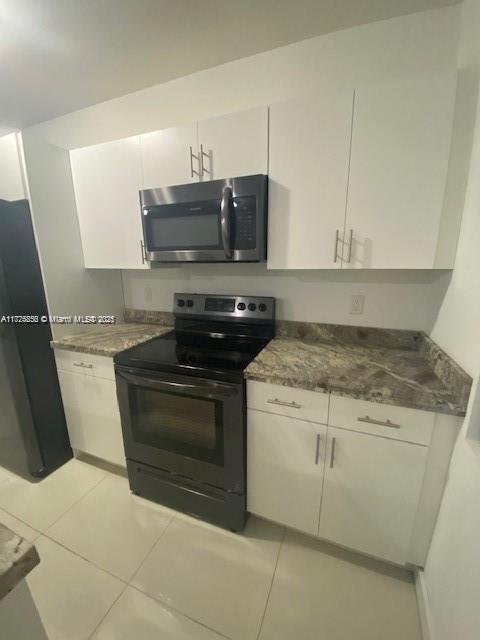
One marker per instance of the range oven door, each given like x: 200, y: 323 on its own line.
x: 215, y: 221
x: 187, y: 426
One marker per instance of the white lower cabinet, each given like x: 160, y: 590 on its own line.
x: 361, y: 485
x: 92, y: 414
x: 286, y: 459
x: 371, y: 493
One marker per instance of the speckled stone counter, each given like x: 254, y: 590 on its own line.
x: 17, y: 558
x: 108, y: 340
x: 403, y: 368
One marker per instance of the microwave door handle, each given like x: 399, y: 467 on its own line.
x: 225, y: 217
x: 212, y: 390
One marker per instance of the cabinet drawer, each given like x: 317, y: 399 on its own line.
x: 398, y: 423
x: 74, y: 361
x: 287, y: 401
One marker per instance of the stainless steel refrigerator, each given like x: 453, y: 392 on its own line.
x: 33, y: 434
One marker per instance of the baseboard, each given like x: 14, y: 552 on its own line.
x: 423, y: 606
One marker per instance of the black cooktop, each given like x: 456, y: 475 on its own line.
x: 195, y: 354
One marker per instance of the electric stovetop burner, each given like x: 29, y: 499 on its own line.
x: 210, y: 338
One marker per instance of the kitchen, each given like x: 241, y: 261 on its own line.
x: 257, y: 446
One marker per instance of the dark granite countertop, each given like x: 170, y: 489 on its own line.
x: 403, y: 368
x: 108, y: 340
x: 17, y: 558
x: 390, y: 366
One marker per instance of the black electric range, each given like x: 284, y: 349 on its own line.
x: 183, y: 406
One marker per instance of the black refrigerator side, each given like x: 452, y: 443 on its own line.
x: 35, y: 433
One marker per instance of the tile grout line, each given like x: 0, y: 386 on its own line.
x: 43, y: 531
x: 75, y: 503
x: 271, y: 583
x: 125, y: 587
x: 23, y: 522
x: 93, y: 563
x: 132, y: 577
x: 79, y: 555
x: 169, y: 607
x: 162, y: 602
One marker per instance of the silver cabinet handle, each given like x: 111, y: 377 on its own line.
x: 335, y: 255
x: 142, y: 249
x: 284, y: 403
x: 83, y: 365
x: 203, y: 154
x: 382, y: 423
x: 332, y: 453
x: 317, y: 450
x: 194, y: 173
x: 350, y: 243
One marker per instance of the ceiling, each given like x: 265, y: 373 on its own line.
x: 57, y: 56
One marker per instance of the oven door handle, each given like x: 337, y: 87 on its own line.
x: 225, y: 217
x: 213, y: 390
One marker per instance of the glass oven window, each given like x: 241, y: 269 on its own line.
x: 180, y: 424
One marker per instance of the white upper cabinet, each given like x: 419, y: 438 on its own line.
x: 107, y: 179
x: 308, y: 177
x: 11, y: 178
x: 371, y: 493
x: 400, y: 150
x: 170, y: 156
x: 234, y: 145
x: 222, y: 147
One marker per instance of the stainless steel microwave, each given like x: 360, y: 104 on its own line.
x: 214, y: 221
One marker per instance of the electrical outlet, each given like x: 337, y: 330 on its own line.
x: 357, y: 303
x: 148, y: 294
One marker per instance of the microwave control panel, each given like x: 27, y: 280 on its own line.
x: 245, y: 222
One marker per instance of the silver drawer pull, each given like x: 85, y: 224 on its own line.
x: 332, y: 453
x: 382, y: 423
x: 317, y: 449
x: 83, y: 365
x: 283, y: 403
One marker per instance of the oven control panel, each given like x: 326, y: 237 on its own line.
x: 224, y: 306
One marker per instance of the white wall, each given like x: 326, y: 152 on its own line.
x: 402, y: 300
x: 401, y: 45
x: 452, y: 574
x: 69, y: 287
x: 11, y: 175
x: 391, y: 47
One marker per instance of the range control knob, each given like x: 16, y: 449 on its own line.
x: 181, y: 303
x: 262, y: 307
x: 189, y: 303
x: 252, y: 306
x: 241, y: 306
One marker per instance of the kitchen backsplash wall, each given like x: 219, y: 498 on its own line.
x: 393, y: 299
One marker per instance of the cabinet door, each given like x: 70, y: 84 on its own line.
x: 11, y: 179
x: 285, y: 467
x: 92, y: 414
x: 308, y: 175
x: 235, y: 144
x: 170, y: 157
x: 400, y: 150
x: 371, y: 493
x: 107, y: 180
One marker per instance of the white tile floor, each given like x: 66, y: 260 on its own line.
x: 114, y: 567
